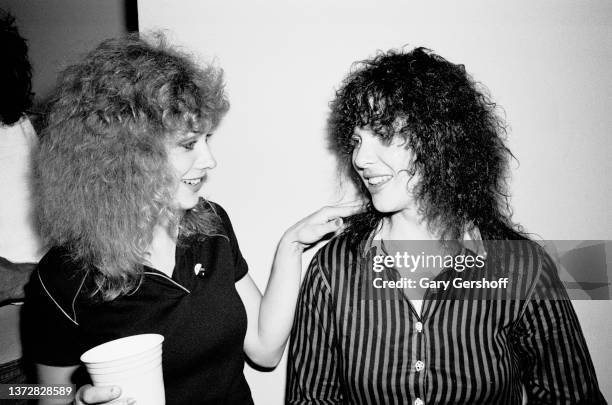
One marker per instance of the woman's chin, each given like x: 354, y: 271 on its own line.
x: 385, y: 207
x: 184, y: 204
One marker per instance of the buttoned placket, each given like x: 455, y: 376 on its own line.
x: 417, y: 322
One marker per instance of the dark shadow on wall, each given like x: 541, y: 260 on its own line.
x: 131, y: 15
x: 60, y: 32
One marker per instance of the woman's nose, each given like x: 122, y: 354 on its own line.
x: 363, y: 155
x: 206, y: 160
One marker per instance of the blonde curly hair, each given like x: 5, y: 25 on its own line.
x: 101, y: 170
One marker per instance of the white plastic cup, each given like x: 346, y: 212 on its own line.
x: 128, y: 361
x: 133, y: 363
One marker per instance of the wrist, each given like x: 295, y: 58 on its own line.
x: 289, y: 244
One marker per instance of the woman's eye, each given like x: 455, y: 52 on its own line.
x: 355, y: 141
x: 189, y: 145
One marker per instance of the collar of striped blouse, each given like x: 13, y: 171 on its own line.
x: 472, y: 240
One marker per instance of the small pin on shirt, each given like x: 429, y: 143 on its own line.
x: 199, y: 270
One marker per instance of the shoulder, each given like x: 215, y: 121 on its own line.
x: 214, y: 209
x: 524, y: 261
x: 205, y: 222
x: 339, y: 256
x: 58, y: 267
x: 58, y: 281
x: 218, y: 210
x: 338, y: 247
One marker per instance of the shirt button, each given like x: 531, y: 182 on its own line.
x: 418, y: 401
x: 419, y: 326
x: 419, y: 365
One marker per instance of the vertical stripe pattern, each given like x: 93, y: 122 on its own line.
x: 353, y: 344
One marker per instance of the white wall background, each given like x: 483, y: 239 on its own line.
x: 548, y: 63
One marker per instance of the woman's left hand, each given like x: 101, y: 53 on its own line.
x: 322, y: 222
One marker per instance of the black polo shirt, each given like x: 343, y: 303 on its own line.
x: 201, y: 317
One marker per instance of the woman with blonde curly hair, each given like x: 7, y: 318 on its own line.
x: 134, y: 248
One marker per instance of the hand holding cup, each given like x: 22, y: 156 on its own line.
x: 89, y: 395
x: 129, y: 369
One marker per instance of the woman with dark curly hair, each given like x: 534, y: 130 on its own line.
x: 134, y: 248
x: 377, y: 320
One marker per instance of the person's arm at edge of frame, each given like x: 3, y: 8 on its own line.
x: 270, y: 317
x: 554, y: 355
x: 13, y: 277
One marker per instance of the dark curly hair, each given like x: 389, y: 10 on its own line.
x: 102, y: 174
x: 451, y: 126
x: 15, y: 72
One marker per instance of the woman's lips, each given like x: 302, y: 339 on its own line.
x: 192, y: 182
x: 376, y: 182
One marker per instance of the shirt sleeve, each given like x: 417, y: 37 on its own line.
x: 240, y: 265
x: 313, y: 355
x: 50, y: 334
x: 555, y: 362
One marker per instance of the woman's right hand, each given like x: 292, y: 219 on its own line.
x: 324, y: 221
x: 89, y: 395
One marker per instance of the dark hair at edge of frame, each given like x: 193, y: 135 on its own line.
x: 453, y: 129
x: 101, y: 170
x: 15, y: 72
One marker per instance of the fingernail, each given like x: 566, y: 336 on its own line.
x: 114, y: 390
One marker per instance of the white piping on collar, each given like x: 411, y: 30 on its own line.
x: 76, y: 295
x: 169, y: 279
x: 73, y: 318
x: 58, y: 305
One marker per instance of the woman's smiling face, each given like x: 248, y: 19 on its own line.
x: 384, y: 170
x: 190, y: 157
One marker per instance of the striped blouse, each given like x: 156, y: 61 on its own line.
x: 355, y: 344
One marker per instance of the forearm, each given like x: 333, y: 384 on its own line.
x: 271, y: 321
x: 277, y: 307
